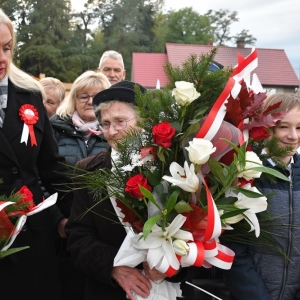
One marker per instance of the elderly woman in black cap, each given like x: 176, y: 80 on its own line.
x: 94, y: 238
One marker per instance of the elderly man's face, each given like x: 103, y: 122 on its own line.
x: 113, y: 70
x: 117, y: 119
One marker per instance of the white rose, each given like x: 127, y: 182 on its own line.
x: 200, y: 151
x: 184, y: 93
x: 181, y: 247
x: 252, y: 160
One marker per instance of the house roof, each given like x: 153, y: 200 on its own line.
x: 147, y: 68
x: 274, y: 67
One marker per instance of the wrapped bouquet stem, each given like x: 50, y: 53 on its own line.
x: 14, y: 210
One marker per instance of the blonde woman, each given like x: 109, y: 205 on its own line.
x: 75, y: 119
x: 31, y: 273
x: 55, y: 92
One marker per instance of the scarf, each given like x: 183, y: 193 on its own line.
x: 83, y: 127
x: 3, y: 99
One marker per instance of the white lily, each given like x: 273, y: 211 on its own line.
x: 253, y: 206
x: 160, y: 243
x: 181, y: 247
x: 185, y: 177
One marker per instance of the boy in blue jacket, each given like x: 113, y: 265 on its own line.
x: 258, y: 272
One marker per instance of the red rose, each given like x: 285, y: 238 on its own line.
x: 163, y: 134
x: 259, y: 133
x: 133, y: 186
x: 27, y: 197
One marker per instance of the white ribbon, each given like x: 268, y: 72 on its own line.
x: 4, y: 204
x: 25, y: 134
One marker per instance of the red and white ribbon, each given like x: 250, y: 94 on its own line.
x: 245, y: 66
x: 29, y: 115
x: 212, y: 252
x: 22, y: 220
x: 216, y: 115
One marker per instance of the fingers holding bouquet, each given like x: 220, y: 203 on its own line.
x: 132, y: 281
x: 153, y: 274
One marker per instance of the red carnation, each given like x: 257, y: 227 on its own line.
x: 27, y: 197
x: 133, y: 186
x: 163, y: 134
x: 259, y: 133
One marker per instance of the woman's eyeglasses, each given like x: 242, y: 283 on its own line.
x: 85, y: 97
x: 118, y: 125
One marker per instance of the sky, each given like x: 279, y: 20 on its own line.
x: 272, y: 22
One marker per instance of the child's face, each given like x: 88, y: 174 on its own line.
x: 288, y: 131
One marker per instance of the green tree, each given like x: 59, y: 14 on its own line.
x: 246, y: 37
x: 160, y: 30
x: 86, y: 18
x: 10, y: 7
x: 186, y: 26
x: 127, y: 27
x: 221, y: 21
x: 42, y: 37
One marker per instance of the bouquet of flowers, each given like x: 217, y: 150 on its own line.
x: 187, y: 176
x: 14, y: 211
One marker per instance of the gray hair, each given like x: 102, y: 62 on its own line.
x: 112, y: 54
x: 108, y: 104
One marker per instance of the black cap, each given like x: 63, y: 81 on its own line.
x: 122, y: 91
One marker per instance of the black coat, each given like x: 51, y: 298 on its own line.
x: 71, y: 143
x: 95, y: 237
x: 31, y: 273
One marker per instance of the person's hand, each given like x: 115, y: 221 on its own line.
x: 153, y: 274
x: 132, y: 280
x: 61, y: 228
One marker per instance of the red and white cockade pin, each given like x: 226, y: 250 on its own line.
x: 29, y: 115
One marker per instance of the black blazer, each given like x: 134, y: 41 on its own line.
x: 33, y: 270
